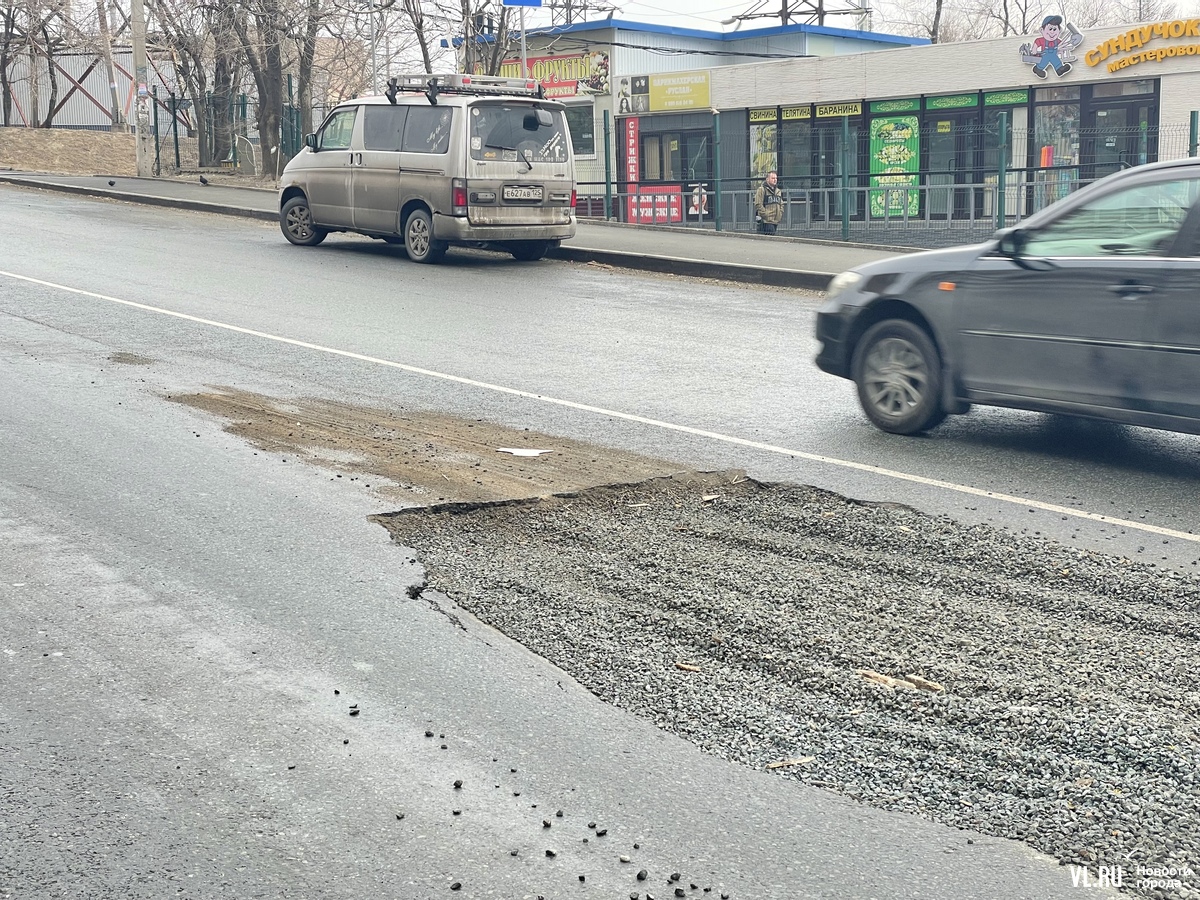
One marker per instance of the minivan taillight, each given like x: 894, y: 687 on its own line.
x: 574, y: 198
x: 458, y: 196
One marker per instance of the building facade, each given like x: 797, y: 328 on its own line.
x: 912, y: 129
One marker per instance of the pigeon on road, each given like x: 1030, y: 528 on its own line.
x: 112, y: 184
x: 203, y: 180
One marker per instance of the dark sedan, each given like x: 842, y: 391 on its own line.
x: 1090, y: 307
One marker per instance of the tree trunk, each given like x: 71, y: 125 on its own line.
x: 53, y: 75
x: 264, y: 55
x: 304, y: 67
x: 7, y: 36
x: 417, y: 17
x: 222, y: 109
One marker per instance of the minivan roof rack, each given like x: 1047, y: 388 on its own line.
x: 460, y: 83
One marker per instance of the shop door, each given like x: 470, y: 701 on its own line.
x: 827, y: 171
x: 952, y: 161
x: 1118, y: 136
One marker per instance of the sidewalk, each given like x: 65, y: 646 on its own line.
x: 781, y: 261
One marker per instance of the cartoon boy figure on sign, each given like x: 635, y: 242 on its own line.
x: 1052, y: 49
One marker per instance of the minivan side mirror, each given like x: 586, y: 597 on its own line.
x: 310, y: 141
x: 544, y: 119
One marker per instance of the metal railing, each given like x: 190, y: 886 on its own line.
x: 928, y: 215
x: 922, y: 208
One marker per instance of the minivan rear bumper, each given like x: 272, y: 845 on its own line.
x: 457, y: 228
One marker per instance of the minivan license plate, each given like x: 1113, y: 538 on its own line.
x: 522, y: 192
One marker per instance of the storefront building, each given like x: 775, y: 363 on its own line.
x: 1058, y: 109
x: 626, y: 77
x: 1074, y: 104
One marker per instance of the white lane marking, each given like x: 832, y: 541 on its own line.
x: 641, y: 420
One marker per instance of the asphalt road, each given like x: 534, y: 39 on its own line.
x: 181, y: 608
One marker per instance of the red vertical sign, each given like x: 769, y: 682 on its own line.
x: 632, y: 168
x: 632, y: 171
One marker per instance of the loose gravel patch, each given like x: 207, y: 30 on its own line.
x: 1001, y: 683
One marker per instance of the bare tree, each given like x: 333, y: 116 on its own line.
x: 262, y: 32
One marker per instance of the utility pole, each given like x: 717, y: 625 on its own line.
x: 145, y: 140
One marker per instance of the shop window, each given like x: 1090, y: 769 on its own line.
x: 796, y: 153
x: 581, y: 119
x: 1018, y: 121
x: 1056, y: 135
x: 677, y: 156
x: 1056, y: 94
x: 763, y: 148
x: 1124, y: 88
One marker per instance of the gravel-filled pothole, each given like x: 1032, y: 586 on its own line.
x: 997, y: 682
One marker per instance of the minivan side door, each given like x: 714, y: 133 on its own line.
x: 328, y: 177
x: 375, y: 180
x: 426, y: 163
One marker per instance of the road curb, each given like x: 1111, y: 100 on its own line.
x: 794, y: 278
x: 220, y: 209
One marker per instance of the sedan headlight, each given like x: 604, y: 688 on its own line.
x: 842, y: 283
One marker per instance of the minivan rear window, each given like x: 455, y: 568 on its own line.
x: 506, y: 131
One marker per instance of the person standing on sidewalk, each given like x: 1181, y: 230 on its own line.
x: 768, y: 204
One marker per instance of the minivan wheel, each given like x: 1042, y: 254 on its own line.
x: 528, y: 251
x: 899, y: 377
x: 296, y: 222
x: 418, y: 238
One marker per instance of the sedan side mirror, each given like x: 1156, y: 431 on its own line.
x: 1011, y: 242
x: 310, y: 141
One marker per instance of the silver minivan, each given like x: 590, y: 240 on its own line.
x: 438, y: 160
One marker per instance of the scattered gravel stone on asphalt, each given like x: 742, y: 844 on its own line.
x: 643, y: 875
x: 458, y: 784
x: 1068, y: 715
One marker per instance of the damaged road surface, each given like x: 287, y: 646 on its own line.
x: 1002, y: 684
x: 1007, y: 685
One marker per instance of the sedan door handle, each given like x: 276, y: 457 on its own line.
x: 1131, y: 288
